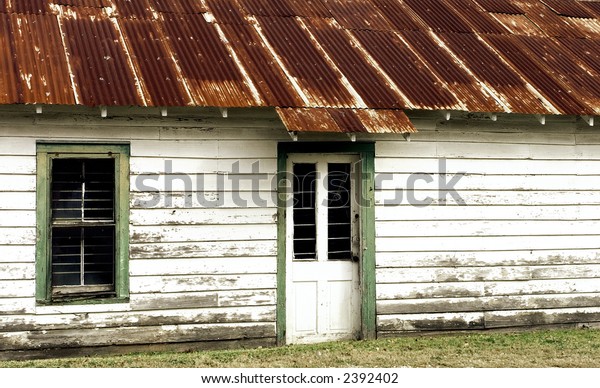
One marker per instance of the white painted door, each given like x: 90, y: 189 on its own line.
x: 323, y: 290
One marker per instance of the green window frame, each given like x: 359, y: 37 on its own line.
x: 47, y: 153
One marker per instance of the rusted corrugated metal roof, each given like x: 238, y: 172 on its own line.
x: 352, y: 64
x: 476, y: 17
x: 318, y: 81
x: 568, y: 8
x: 438, y: 16
x: 455, y: 77
x: 30, y: 6
x: 179, y: 6
x: 270, y: 80
x: 41, y: 63
x: 500, y: 6
x: 399, y: 62
x: 358, y: 14
x: 140, y: 9
x: 507, y: 84
x: 9, y: 84
x: 212, y: 76
x: 101, y: 74
x: 345, y: 120
x: 152, y: 61
x: 530, y: 66
x: 343, y: 49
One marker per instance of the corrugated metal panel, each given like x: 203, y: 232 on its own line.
x: 345, y: 120
x: 551, y: 23
x: 100, y: 68
x: 407, y: 71
x: 267, y: 8
x: 308, y: 8
x: 308, y: 120
x: 588, y: 27
x: 376, y: 54
x: 500, y: 6
x: 487, y: 67
x: 209, y: 71
x: 563, y: 67
x: 267, y: 76
x: 438, y: 16
x: 43, y: 70
x: 586, y: 50
x: 179, y: 6
x: 568, y: 8
x: 385, y: 121
x: 476, y: 17
x: 319, y: 82
x: 399, y: 15
x: 354, y: 63
x: 153, y: 63
x: 29, y: 6
x: 140, y: 9
x: 83, y: 3
x: 527, y: 64
x: 464, y: 86
x: 9, y: 85
x: 226, y: 11
x: 592, y: 6
x: 358, y: 14
x: 518, y: 24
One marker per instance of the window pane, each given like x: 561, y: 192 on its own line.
x: 83, y: 189
x: 305, y: 233
x: 67, y: 188
x: 99, y: 191
x: 99, y: 245
x: 83, y: 255
x: 66, y: 256
x: 339, y: 239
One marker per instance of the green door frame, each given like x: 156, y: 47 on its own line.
x: 366, y: 151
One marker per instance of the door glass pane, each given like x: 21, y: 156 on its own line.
x: 339, y: 199
x: 305, y: 230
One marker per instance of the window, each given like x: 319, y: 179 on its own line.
x: 324, y: 201
x: 82, y: 196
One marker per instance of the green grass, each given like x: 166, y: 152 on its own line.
x: 566, y: 348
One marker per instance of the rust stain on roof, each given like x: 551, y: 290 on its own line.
x: 365, y: 78
x: 438, y: 16
x: 358, y: 14
x: 30, y: 6
x: 476, y: 17
x: 212, y: 76
x: 43, y: 70
x: 568, y: 8
x: 518, y: 24
x: 500, y: 6
x: 406, y: 70
x: 305, y: 63
x: 140, y: 9
x: 9, y: 84
x: 345, y: 120
x: 352, y: 64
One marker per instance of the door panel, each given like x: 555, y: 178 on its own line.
x: 323, y: 290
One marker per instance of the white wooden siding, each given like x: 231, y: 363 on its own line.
x: 197, y: 273
x: 524, y: 249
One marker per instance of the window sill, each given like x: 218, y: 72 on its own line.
x: 81, y: 301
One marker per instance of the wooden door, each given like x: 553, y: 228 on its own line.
x: 323, y: 290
